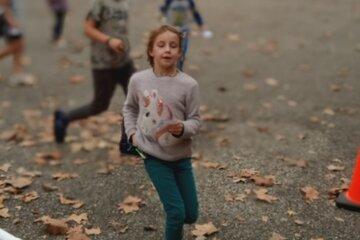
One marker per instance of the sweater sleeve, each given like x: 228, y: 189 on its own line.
x: 131, y: 109
x: 192, y: 121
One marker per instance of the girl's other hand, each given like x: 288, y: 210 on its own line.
x: 176, y: 129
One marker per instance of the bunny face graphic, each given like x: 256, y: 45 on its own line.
x: 155, y: 118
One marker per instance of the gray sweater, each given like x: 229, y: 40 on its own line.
x: 155, y: 102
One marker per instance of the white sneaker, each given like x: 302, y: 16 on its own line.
x: 22, y: 79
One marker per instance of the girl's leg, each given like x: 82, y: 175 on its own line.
x: 104, y: 87
x: 163, y: 178
x: 59, y: 25
x: 186, y: 183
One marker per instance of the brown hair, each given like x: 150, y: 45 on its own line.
x: 156, y: 32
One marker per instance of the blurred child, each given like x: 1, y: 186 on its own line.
x: 161, y: 114
x: 10, y: 30
x: 181, y: 13
x: 106, y: 26
x: 59, y: 9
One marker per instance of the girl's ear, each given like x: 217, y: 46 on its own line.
x: 151, y: 53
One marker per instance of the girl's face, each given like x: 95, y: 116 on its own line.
x: 166, y: 50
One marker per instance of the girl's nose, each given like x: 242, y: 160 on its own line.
x: 167, y: 48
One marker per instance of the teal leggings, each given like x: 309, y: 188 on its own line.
x: 175, y: 184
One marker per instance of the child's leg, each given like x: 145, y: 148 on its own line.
x: 163, y: 178
x: 104, y: 86
x: 59, y: 24
x: 184, y: 47
x: 124, y: 73
x: 186, y: 183
x: 18, y: 54
x: 15, y: 48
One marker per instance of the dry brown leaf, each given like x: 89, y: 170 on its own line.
x: 265, y: 219
x: 248, y: 72
x: 310, y: 193
x: 77, y: 236
x: 79, y: 219
x: 130, y: 204
x: 63, y: 176
x: 8, y: 135
x: 49, y: 188
x: 329, y: 111
x: 266, y: 181
x: 261, y: 194
x: 28, y: 197
x: 293, y: 162
x: 5, y: 167
x: 299, y: 222
x: 20, y: 182
x: 276, y: 236
x: 204, y: 229
x: 51, y: 158
x: 92, y: 231
x: 119, y: 227
x: 4, y: 213
x: 210, y: 165
x: 235, y: 197
x: 79, y: 161
x: 272, y: 82
x: 334, y: 168
x: 215, y: 117
x: 250, y: 87
x: 233, y: 37
x: 76, y: 79
x: 67, y: 201
x: 54, y: 226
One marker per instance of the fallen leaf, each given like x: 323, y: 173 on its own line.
x: 266, y: 181
x: 149, y: 228
x: 261, y: 194
x: 5, y: 167
x: 54, y: 226
x: 130, y: 204
x: 272, y: 82
x: 76, y: 79
x: 329, y: 111
x: 276, y: 236
x: 93, y: 231
x: 49, y: 188
x: 310, y: 193
x: 4, y: 213
x: 67, y: 201
x: 63, y: 176
x: 79, y: 219
x: 204, y: 229
x: 233, y: 37
x: 20, y: 182
x: 28, y: 197
x: 298, y: 222
x: 250, y: 87
x: 334, y: 168
x: 248, y: 72
x: 51, y: 158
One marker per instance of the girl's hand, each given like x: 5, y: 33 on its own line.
x: 133, y: 140
x: 176, y: 129
x: 116, y: 45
